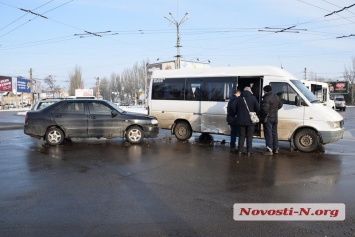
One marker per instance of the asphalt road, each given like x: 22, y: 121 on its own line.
x: 163, y: 187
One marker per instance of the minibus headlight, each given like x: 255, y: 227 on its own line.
x: 154, y: 121
x: 333, y: 124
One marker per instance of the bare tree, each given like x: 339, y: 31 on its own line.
x: 51, y: 86
x: 127, y: 84
x: 349, y: 73
x: 105, y: 89
x: 75, y: 80
x: 134, y: 81
x: 115, y: 87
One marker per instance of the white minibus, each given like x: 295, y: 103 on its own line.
x: 321, y: 91
x: 195, y: 100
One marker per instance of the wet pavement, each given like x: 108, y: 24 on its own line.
x: 163, y: 187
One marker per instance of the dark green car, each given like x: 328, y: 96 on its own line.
x: 88, y: 118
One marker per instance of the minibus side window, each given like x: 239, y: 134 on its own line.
x: 193, y: 89
x: 217, y: 88
x: 285, y: 92
x: 168, y: 89
x: 214, y: 90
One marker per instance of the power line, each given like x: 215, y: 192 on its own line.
x: 34, y: 13
x: 21, y: 16
x: 346, y: 36
x: 37, y: 15
x: 326, y: 9
x: 336, y: 12
x: 98, y: 34
x: 280, y: 30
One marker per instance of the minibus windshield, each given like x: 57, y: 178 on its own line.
x: 305, y: 91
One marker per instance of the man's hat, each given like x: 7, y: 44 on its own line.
x: 267, y: 88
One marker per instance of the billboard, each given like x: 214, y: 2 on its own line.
x: 23, y: 85
x: 5, y: 84
x: 188, y: 64
x: 339, y: 87
x: 84, y: 92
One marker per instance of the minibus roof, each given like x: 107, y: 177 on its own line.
x: 223, y: 72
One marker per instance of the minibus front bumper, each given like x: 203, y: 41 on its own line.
x: 331, y: 136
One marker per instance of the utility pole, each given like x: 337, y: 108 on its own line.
x: 177, y: 24
x: 32, y: 88
x: 305, y: 73
x: 98, y: 87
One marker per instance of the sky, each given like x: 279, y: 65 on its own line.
x: 53, y: 37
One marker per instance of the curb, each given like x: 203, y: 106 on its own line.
x: 10, y: 127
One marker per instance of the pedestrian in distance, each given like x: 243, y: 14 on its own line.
x: 232, y: 119
x: 244, y: 102
x: 270, y: 106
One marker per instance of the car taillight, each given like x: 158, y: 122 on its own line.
x: 26, y: 118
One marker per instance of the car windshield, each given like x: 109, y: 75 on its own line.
x: 339, y: 99
x: 305, y: 91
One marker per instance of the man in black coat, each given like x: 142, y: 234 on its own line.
x: 232, y: 120
x: 269, y: 109
x: 246, y: 127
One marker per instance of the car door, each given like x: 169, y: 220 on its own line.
x: 104, y: 121
x: 71, y: 117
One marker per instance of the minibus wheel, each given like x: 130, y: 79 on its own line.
x: 182, y: 131
x: 306, y: 140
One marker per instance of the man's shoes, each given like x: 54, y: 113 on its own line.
x: 276, y: 151
x: 268, y: 153
x: 239, y: 153
x: 233, y: 149
x: 248, y: 153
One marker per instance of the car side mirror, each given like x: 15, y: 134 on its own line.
x: 114, y: 113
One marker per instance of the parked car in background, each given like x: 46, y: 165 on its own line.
x: 88, y: 118
x: 24, y: 104
x: 340, y: 103
x: 9, y: 105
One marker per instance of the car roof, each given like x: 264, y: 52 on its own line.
x: 56, y: 99
x: 81, y: 100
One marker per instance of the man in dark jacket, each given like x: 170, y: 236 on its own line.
x: 269, y: 108
x: 246, y: 127
x: 232, y: 120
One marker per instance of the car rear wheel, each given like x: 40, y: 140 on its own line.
x: 134, y: 135
x: 182, y: 131
x: 306, y: 140
x: 54, y: 136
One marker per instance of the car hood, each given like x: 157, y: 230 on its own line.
x: 138, y: 115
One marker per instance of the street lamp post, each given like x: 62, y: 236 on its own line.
x: 177, y: 24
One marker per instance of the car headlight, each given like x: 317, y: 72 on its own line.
x: 154, y: 121
x: 333, y: 124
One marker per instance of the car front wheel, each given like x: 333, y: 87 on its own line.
x: 54, y: 136
x: 134, y: 135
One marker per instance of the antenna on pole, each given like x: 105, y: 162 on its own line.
x: 177, y: 24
